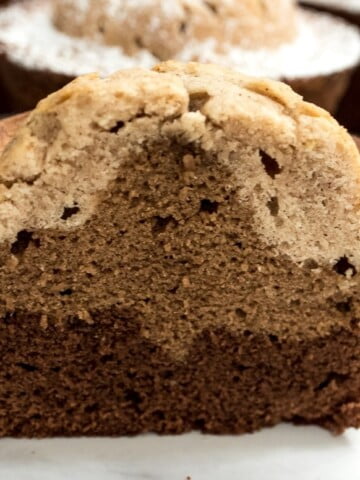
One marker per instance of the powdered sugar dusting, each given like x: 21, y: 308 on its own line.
x: 83, y: 5
x: 32, y: 41
x: 324, y: 45
x: 347, y: 5
x: 168, y: 8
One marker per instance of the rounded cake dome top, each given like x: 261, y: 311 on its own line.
x: 165, y: 27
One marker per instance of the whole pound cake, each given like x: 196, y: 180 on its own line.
x: 179, y: 250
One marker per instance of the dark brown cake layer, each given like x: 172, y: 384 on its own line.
x: 107, y: 380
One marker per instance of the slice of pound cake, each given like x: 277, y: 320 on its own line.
x: 179, y: 250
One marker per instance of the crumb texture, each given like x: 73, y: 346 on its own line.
x: 115, y: 383
x: 184, y: 236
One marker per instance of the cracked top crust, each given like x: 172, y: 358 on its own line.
x: 306, y: 164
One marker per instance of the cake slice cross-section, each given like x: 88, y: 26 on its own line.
x: 179, y: 250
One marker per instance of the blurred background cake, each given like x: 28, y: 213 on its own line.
x: 348, y: 113
x: 44, y: 44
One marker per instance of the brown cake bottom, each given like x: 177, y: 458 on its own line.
x: 23, y: 88
x: 116, y: 383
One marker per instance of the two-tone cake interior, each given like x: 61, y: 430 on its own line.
x: 179, y: 250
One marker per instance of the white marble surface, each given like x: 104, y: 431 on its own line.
x: 285, y: 452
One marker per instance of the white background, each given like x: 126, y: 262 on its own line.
x: 284, y: 452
